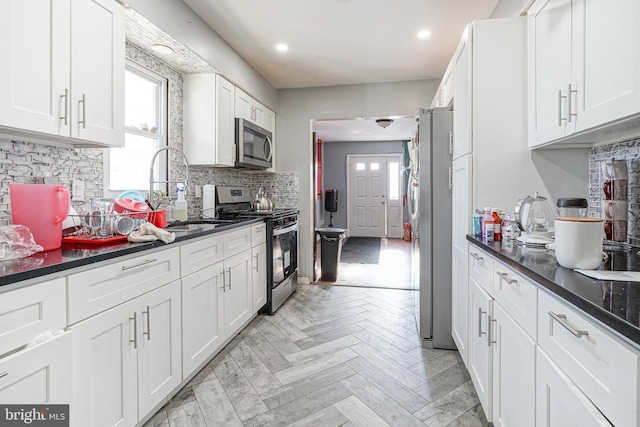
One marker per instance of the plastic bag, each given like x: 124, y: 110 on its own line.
x: 16, y: 241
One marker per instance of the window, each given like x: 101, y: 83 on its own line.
x: 374, y: 166
x: 394, y: 178
x: 128, y: 168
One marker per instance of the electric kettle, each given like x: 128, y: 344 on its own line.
x: 536, y: 219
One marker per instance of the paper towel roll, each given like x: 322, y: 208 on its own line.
x: 208, y: 201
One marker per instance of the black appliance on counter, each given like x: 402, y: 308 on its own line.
x: 282, y: 241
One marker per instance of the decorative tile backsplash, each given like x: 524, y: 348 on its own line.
x: 24, y: 162
x: 628, y: 150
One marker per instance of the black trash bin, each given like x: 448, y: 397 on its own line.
x: 330, y: 248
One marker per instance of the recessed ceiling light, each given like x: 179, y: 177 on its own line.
x: 282, y: 47
x: 160, y: 48
x: 424, y: 34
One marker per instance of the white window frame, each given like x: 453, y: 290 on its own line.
x: 161, y: 164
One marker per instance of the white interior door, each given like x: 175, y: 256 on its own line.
x: 367, y: 195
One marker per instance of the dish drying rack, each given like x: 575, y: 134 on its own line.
x: 103, y: 228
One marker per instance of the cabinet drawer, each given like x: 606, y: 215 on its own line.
x: 29, y: 311
x: 517, y: 296
x: 601, y: 365
x: 99, y: 289
x: 481, y: 268
x: 198, y: 255
x: 236, y: 241
x: 258, y: 234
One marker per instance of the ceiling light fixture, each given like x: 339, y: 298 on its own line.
x: 281, y: 47
x: 160, y: 48
x: 424, y: 34
x: 384, y: 123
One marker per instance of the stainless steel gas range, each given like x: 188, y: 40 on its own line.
x: 282, y: 241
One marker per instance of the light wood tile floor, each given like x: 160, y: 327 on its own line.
x: 330, y: 356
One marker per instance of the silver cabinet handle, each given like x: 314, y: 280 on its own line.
x: 66, y: 107
x: 257, y: 267
x: 84, y: 111
x: 135, y: 329
x: 148, y: 333
x: 145, y: 262
x: 4, y: 374
x: 450, y: 142
x: 480, y: 313
x: 476, y: 256
x: 506, y: 278
x: 560, y: 98
x: 562, y: 319
x: 569, y: 113
x: 490, y: 340
x: 229, y: 284
x: 224, y: 280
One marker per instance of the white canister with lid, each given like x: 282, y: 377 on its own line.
x: 579, y: 242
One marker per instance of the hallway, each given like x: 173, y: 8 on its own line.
x: 392, y: 272
x: 331, y: 356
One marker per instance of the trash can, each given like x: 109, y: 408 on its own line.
x: 330, y: 248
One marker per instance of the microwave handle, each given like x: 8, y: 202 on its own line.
x: 269, y: 143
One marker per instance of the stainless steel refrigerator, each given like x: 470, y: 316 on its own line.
x: 429, y: 193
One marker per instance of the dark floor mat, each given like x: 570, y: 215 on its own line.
x: 362, y: 250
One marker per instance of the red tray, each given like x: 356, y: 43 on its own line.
x: 88, y: 241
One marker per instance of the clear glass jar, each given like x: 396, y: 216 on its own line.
x: 572, y: 207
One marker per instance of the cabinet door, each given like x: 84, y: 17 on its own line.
x: 479, y: 356
x: 244, y: 105
x: 514, y: 372
x: 238, y: 306
x: 462, y: 97
x: 159, y: 350
x: 606, y: 60
x: 259, y: 114
x: 225, y: 122
x: 259, y: 260
x: 549, y: 50
x: 38, y: 374
x: 105, y: 352
x: 460, y: 273
x: 202, y: 319
x: 97, y: 70
x: 36, y: 72
x: 559, y: 402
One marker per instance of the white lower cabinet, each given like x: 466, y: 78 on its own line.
x: 559, y: 402
x: 479, y: 351
x: 259, y: 259
x: 38, y: 374
x: 202, y: 316
x: 127, y: 359
x: 238, y: 305
x: 514, y: 372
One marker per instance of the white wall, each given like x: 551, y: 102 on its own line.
x: 176, y: 19
x: 296, y: 109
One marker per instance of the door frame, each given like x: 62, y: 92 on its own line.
x: 389, y: 157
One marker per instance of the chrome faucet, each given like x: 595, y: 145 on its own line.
x: 151, y: 178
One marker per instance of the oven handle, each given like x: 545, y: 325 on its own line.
x: 279, y: 231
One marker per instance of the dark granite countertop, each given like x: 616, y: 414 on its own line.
x: 615, y: 304
x: 72, y: 255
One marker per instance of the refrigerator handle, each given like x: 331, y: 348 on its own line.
x: 450, y: 179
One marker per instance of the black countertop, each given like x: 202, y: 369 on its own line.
x: 616, y: 304
x: 72, y: 255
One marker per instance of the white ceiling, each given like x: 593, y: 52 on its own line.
x: 338, y: 42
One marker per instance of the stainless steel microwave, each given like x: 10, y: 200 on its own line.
x: 254, y: 145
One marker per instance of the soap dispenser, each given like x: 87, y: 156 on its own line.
x: 181, y: 205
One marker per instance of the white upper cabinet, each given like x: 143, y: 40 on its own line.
x: 584, y: 69
x: 64, y: 73
x: 250, y: 109
x: 462, y: 97
x: 444, y: 94
x: 209, y: 123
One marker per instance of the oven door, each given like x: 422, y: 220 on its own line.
x: 285, y: 252
x: 254, y: 145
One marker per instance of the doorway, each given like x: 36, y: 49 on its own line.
x: 374, y: 192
